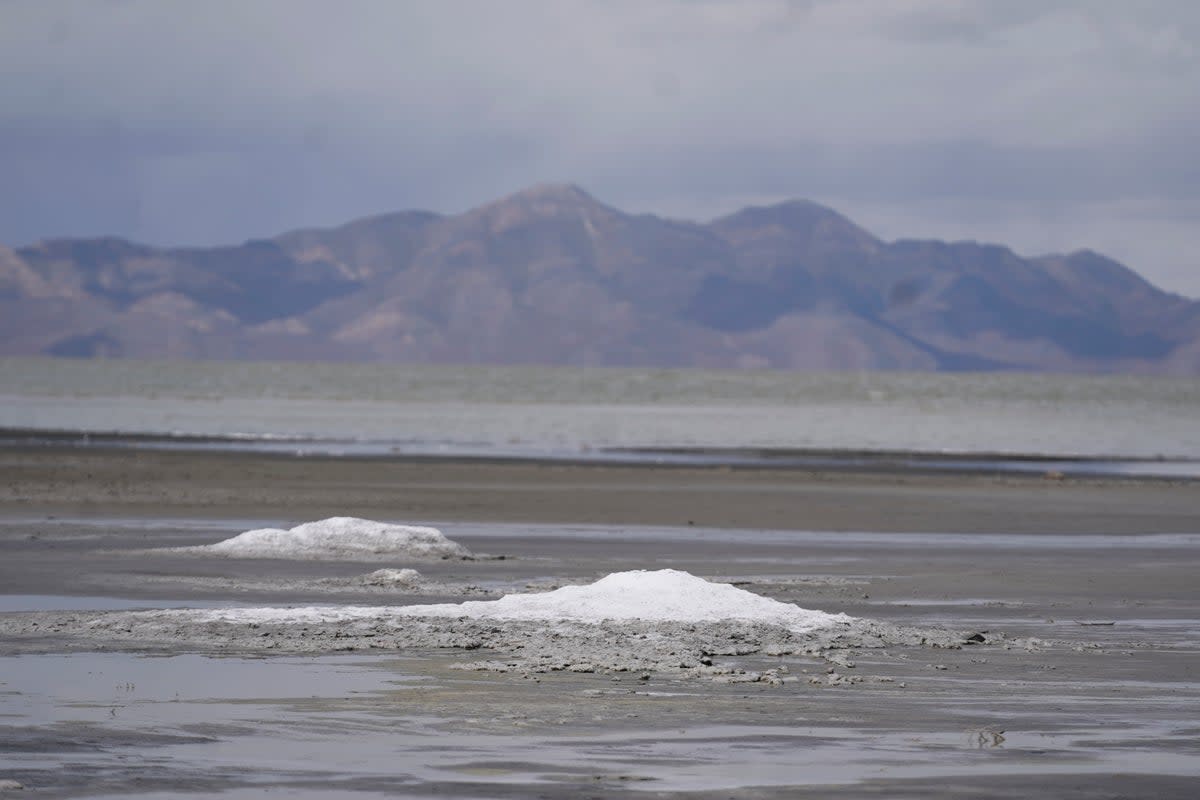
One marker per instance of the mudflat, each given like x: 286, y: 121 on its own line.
x: 115, y: 481
x: 1022, y: 636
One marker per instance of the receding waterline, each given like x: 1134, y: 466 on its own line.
x: 749, y: 458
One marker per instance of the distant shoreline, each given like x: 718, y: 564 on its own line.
x: 783, y: 458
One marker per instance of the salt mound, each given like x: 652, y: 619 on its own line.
x: 402, y: 578
x: 341, y: 537
x: 665, y: 595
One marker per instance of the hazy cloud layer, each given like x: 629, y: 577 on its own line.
x: 1047, y: 125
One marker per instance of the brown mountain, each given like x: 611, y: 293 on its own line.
x: 550, y: 275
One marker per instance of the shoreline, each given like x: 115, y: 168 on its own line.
x: 115, y: 481
x: 983, y: 462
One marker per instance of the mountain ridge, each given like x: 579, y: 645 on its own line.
x: 550, y: 274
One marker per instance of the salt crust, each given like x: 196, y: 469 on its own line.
x: 665, y: 595
x: 340, y: 537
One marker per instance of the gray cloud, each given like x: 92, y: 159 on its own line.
x: 1048, y: 125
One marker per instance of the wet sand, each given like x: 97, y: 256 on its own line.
x: 1085, y: 686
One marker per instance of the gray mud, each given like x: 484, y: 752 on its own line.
x: 682, y: 649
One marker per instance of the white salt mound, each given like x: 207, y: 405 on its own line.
x: 342, y: 537
x: 666, y: 595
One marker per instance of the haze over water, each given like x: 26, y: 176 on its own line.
x: 481, y: 410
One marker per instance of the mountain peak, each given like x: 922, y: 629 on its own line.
x: 797, y: 212
x: 802, y: 222
x: 554, y: 191
x: 548, y: 198
x: 543, y: 201
x: 1087, y: 270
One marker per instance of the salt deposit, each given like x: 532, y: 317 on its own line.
x: 665, y: 595
x: 340, y: 537
x: 396, y: 578
x: 405, y: 581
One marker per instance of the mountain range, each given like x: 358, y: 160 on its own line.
x: 550, y: 275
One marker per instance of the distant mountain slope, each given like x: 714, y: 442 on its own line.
x: 551, y: 275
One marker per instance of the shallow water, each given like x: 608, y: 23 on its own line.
x: 236, y: 724
x: 53, y: 602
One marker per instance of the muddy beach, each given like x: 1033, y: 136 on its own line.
x: 1018, y: 636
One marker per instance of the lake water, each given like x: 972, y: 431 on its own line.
x: 590, y: 413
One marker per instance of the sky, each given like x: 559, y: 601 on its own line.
x: 1048, y: 126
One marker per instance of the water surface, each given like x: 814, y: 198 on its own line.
x: 471, y: 410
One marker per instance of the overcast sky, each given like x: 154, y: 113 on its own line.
x: 1047, y: 125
